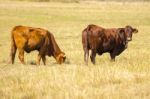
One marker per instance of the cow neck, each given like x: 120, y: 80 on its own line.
x: 56, y: 49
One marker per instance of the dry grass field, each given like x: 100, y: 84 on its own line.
x: 127, y: 78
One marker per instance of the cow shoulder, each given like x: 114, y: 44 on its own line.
x: 121, y: 33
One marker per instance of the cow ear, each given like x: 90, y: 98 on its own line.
x: 135, y: 30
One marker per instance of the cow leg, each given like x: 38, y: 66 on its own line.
x: 21, y: 56
x: 44, y: 60
x: 41, y: 55
x: 112, y: 55
x: 12, y: 54
x: 86, y: 55
x: 38, y: 59
x: 93, y: 55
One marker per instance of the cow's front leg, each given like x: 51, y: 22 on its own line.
x: 21, y: 56
x: 44, y: 60
x: 112, y: 55
x: 93, y: 55
x: 38, y: 59
x: 41, y: 55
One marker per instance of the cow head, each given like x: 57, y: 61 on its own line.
x: 61, y: 58
x: 128, y: 31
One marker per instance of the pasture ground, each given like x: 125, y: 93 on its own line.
x: 127, y: 78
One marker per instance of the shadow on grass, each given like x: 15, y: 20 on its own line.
x: 52, y: 64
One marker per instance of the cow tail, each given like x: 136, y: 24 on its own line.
x: 85, y: 41
x: 13, y: 49
x: 87, y: 35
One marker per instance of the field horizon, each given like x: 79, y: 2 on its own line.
x: 126, y: 78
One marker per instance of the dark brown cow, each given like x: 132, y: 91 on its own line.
x: 100, y: 40
x: 28, y: 39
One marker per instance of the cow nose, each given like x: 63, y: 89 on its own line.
x: 129, y: 39
x: 67, y: 61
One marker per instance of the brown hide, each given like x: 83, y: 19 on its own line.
x: 100, y: 40
x: 29, y: 39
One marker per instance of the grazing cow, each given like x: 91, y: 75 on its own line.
x: 100, y: 40
x: 29, y: 39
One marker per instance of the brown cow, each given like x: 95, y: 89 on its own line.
x: 28, y: 39
x: 100, y: 40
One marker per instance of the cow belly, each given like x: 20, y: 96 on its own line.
x: 101, y: 51
x: 106, y: 47
x: 28, y: 49
x: 33, y: 45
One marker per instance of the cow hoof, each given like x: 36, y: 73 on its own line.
x: 32, y: 63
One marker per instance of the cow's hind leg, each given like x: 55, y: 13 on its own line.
x: 44, y: 60
x: 21, y: 56
x: 86, y: 55
x: 12, y: 54
x: 93, y: 55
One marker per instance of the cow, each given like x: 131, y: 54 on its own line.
x: 101, y: 40
x: 27, y: 39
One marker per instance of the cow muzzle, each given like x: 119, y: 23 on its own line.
x: 67, y: 61
x: 125, y: 44
x: 129, y: 39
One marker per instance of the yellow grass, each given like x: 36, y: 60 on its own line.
x: 127, y: 78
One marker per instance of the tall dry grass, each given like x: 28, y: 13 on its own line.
x: 77, y: 1
x: 64, y: 1
x: 127, y: 78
